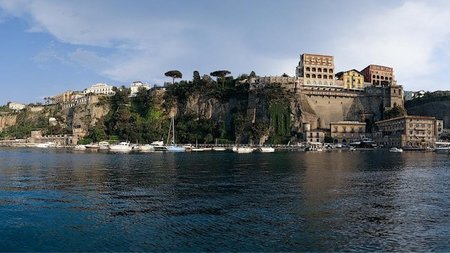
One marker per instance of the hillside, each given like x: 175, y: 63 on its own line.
x: 435, y: 104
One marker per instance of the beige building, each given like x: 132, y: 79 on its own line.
x: 347, y: 131
x: 379, y: 75
x: 100, y: 88
x: 66, y: 97
x: 352, y: 79
x: 407, y: 132
x: 316, y: 69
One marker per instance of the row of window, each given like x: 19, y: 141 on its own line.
x: 324, y: 70
x: 381, y: 77
x: 319, y: 76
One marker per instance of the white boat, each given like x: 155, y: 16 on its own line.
x: 46, y: 145
x: 171, y: 139
x: 92, y: 146
x: 174, y: 148
x: 103, y: 145
x: 198, y: 149
x: 242, y: 150
x: 146, y: 148
x: 219, y: 149
x: 79, y: 147
x: 266, y: 149
x: 121, y: 147
x: 396, y: 150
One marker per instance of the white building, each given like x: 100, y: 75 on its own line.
x: 100, y: 88
x: 136, y: 85
x: 16, y: 106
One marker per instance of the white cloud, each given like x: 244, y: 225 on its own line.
x: 406, y: 37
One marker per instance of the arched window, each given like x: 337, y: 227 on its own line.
x: 325, y: 76
x: 330, y: 77
x: 319, y: 76
x: 319, y: 70
x: 314, y: 69
x: 313, y: 75
x: 308, y: 69
x: 307, y: 75
x: 324, y: 70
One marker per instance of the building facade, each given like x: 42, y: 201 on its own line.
x: 316, y: 69
x: 136, y: 85
x: 347, y: 131
x: 100, y: 88
x: 407, y: 132
x: 379, y: 75
x: 352, y: 79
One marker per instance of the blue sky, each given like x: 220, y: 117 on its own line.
x: 50, y: 46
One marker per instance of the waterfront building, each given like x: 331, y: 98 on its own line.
x: 136, y: 85
x: 379, y: 75
x: 352, y: 79
x: 60, y: 140
x: 407, y: 132
x: 347, y: 131
x: 439, y: 128
x: 316, y: 69
x: 100, y: 88
x: 16, y: 106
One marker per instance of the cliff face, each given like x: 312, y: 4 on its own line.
x: 7, y: 120
x: 438, y: 109
x: 84, y: 116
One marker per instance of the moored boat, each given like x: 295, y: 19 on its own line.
x: 396, y: 150
x: 266, y: 149
x: 121, y: 147
x: 79, y: 147
x: 242, y: 150
x: 103, y: 145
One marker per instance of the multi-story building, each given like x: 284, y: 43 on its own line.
x: 100, y: 88
x: 407, y: 132
x: 66, y: 97
x: 379, y: 75
x: 347, y: 131
x: 352, y: 79
x: 136, y: 85
x: 316, y: 69
x: 439, y: 128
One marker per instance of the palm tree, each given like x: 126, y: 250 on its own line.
x: 222, y: 74
x: 174, y: 74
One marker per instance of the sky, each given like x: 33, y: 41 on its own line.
x: 50, y: 46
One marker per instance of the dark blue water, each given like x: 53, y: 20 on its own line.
x: 340, y: 201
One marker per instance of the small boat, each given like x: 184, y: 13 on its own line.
x: 174, y: 148
x: 92, y: 146
x: 79, y: 147
x: 198, y: 149
x: 103, y: 145
x: 121, y: 147
x: 147, y: 148
x: 219, y: 149
x: 171, y: 138
x: 396, y: 150
x: 266, y: 149
x: 46, y: 145
x: 242, y: 150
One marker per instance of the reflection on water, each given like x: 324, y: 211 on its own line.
x: 52, y: 200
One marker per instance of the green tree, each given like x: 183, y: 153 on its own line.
x: 222, y: 74
x: 174, y: 74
